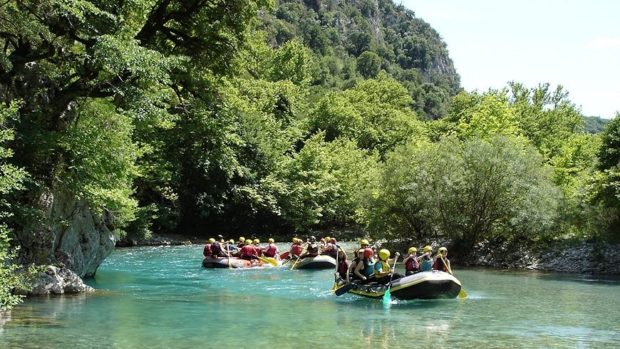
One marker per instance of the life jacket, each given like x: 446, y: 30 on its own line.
x: 259, y: 251
x: 296, y: 250
x: 369, y: 267
x: 248, y: 251
x: 271, y: 251
x: 216, y: 249
x: 426, y: 265
x: 382, y: 267
x: 440, y: 265
x: 412, y: 264
x: 207, y: 250
x: 313, y: 249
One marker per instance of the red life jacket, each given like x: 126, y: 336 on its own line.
x: 296, y: 250
x: 248, y: 250
x: 412, y: 264
x: 271, y: 251
x: 207, y: 250
x: 259, y: 251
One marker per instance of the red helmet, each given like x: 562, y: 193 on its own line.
x: 368, y: 252
x: 333, y: 240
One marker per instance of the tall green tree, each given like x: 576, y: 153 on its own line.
x: 465, y: 190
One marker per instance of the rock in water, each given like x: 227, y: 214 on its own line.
x: 57, y: 280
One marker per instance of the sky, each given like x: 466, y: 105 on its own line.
x: 573, y: 43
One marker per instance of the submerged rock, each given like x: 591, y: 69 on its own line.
x: 55, y: 280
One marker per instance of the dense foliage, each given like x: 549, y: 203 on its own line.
x: 204, y: 117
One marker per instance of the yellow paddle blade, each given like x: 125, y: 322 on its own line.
x: 269, y: 260
x: 462, y: 293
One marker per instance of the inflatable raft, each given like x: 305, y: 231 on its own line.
x: 424, y: 285
x: 318, y: 262
x: 234, y: 262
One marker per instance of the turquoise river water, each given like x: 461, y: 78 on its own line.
x: 161, y: 297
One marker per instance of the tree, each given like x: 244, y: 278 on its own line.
x: 466, y: 190
x: 11, y: 179
x: 368, y: 64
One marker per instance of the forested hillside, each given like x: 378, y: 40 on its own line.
x: 262, y: 118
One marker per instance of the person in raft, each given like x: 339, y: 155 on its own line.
x: 296, y: 249
x: 342, y: 272
x: 365, y: 268
x: 312, y: 248
x: 216, y: 249
x: 425, y: 260
x: 442, y: 262
x: 271, y: 250
x: 412, y: 265
x: 331, y: 249
x: 231, y: 247
x: 383, y: 271
x: 248, y: 251
x: 257, y: 246
x: 207, y: 250
x: 241, y: 242
x: 358, y: 256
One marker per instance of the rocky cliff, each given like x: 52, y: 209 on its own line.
x: 68, y: 234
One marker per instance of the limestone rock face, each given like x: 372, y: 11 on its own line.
x: 58, y: 281
x: 69, y: 235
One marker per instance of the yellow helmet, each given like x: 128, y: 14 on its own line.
x: 231, y: 241
x: 427, y: 248
x: 364, y: 242
x: 294, y: 240
x: 241, y: 239
x: 247, y: 242
x: 442, y: 250
x: 412, y: 250
x: 271, y: 241
x: 384, y: 254
x: 211, y: 240
x: 327, y: 238
x: 256, y: 241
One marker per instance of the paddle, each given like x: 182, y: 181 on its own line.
x: 228, y: 254
x: 387, y: 296
x: 269, y: 260
x: 462, y: 293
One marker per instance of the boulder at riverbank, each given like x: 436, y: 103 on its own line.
x: 55, y: 280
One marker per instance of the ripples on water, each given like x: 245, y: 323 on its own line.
x: 161, y: 297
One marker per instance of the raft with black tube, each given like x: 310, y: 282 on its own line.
x: 234, y: 262
x: 424, y: 285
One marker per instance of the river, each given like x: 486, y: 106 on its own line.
x: 161, y: 297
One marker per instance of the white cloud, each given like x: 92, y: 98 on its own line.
x: 604, y: 43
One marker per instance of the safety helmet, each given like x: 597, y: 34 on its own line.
x: 271, y: 240
x: 241, y: 239
x: 333, y: 240
x: 368, y: 252
x: 442, y: 250
x: 248, y: 241
x: 427, y: 248
x: 231, y: 241
x: 312, y: 239
x: 327, y: 238
x: 384, y: 254
x: 323, y: 240
x: 256, y: 241
x: 412, y: 250
x: 211, y: 240
x: 364, y: 242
